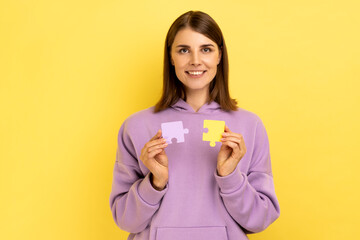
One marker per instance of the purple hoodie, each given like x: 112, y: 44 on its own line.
x: 196, y: 203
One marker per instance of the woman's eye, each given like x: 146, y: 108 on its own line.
x: 183, y: 50
x: 207, y: 50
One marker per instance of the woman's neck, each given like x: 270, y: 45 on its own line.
x: 197, y: 99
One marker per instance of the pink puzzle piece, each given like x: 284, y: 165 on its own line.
x: 172, y: 130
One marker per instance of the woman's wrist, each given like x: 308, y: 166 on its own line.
x: 156, y: 183
x: 224, y: 173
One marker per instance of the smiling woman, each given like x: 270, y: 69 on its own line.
x: 173, y: 180
x: 195, y: 58
x: 195, y: 36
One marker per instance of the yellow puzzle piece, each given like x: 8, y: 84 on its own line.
x: 215, y: 129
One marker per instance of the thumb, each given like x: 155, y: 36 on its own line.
x: 227, y: 129
x: 157, y: 135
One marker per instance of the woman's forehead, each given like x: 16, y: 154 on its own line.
x: 189, y: 37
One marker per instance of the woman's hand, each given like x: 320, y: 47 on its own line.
x: 154, y: 158
x: 231, y: 152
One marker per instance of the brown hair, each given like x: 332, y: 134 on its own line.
x: 173, y: 89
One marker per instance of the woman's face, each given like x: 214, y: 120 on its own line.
x: 195, y: 58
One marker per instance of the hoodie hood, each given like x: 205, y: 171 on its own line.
x: 183, y: 106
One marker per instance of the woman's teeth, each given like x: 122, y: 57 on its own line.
x: 196, y: 73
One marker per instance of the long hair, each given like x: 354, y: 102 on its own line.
x: 173, y: 89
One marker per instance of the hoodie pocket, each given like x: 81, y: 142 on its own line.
x: 191, y: 233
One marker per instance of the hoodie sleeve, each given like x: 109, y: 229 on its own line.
x: 250, y: 197
x: 133, y: 200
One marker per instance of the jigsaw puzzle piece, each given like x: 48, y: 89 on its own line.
x: 215, y: 129
x: 172, y: 130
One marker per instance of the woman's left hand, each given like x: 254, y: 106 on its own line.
x: 231, y: 152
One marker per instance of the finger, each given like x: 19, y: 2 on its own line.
x: 154, y: 153
x: 237, y: 153
x: 232, y: 134
x: 235, y: 147
x: 233, y: 139
x: 240, y: 140
x: 243, y: 147
x: 152, y: 143
x: 157, y: 135
x: 227, y: 129
x: 158, y: 146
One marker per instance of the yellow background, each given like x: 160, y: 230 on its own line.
x: 72, y: 70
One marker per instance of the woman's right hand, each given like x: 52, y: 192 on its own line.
x: 154, y: 158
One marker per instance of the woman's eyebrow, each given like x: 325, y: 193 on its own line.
x: 187, y: 46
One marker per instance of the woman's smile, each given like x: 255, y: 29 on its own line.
x: 196, y: 74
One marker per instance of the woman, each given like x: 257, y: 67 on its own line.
x: 182, y: 168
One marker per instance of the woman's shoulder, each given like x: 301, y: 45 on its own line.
x: 247, y: 119
x: 142, y: 113
x: 247, y: 114
x: 144, y: 117
x: 140, y: 116
x: 136, y: 121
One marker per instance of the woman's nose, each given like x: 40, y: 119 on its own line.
x: 195, y: 58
